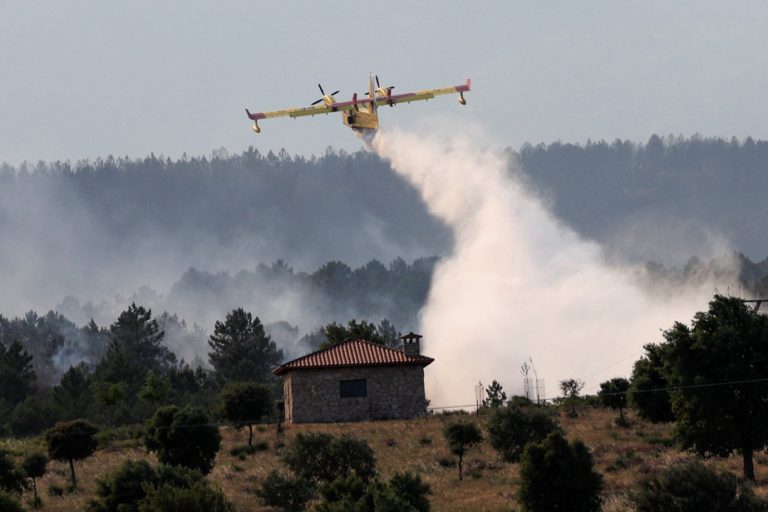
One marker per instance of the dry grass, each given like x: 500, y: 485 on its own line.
x: 622, y: 455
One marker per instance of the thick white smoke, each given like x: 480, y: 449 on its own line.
x: 519, y: 283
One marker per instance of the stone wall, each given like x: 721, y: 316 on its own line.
x: 394, y: 392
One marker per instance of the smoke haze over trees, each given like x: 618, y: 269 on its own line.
x: 303, y: 242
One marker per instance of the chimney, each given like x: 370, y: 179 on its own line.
x: 411, y: 344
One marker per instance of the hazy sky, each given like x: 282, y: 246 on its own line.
x: 80, y: 79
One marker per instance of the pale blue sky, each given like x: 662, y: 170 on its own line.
x: 80, y: 79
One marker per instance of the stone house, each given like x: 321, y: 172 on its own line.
x: 355, y: 380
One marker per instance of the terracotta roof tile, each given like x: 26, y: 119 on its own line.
x: 352, y: 353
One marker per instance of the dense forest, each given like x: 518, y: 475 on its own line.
x: 672, y: 191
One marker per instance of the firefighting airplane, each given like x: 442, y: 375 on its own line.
x: 360, y: 113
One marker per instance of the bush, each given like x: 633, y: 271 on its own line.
x: 183, y: 437
x: 11, y: 478
x: 354, y: 494
x: 32, y: 416
x: 198, y: 498
x: 558, y: 475
x: 9, y: 503
x: 320, y: 457
x: 511, y: 428
x: 127, y: 487
x: 291, y: 494
x: 411, y: 489
x: 691, y: 487
x: 647, y: 392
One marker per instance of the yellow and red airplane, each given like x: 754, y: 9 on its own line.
x: 360, y: 113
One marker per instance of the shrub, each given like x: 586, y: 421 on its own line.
x: 11, y: 478
x: 291, y: 494
x: 321, y: 457
x: 558, y: 475
x: 183, y: 437
x: 692, y: 486
x: 647, y: 392
x: 9, y: 503
x: 197, y: 498
x: 462, y: 437
x: 71, y: 441
x: 511, y: 428
x: 411, y: 489
x: 128, y: 485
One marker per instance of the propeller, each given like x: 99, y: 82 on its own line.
x: 379, y: 85
x: 323, y: 93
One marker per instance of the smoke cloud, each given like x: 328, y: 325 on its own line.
x: 520, y: 284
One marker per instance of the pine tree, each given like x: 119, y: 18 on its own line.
x: 241, y: 351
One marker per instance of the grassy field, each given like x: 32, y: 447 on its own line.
x: 622, y: 455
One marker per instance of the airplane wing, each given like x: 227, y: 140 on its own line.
x: 426, y: 94
x: 301, y: 111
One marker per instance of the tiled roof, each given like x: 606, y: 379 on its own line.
x: 352, y: 353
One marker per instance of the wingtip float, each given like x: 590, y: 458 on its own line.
x: 360, y: 114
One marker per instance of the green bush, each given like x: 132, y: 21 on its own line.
x: 9, y: 503
x: 321, y: 457
x: 411, y: 489
x: 558, y: 475
x: 11, y: 478
x: 198, y: 498
x: 511, y: 428
x: 123, y: 490
x: 291, y: 494
x: 692, y: 487
x: 183, y: 437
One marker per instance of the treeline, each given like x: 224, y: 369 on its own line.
x: 133, y: 372
x: 603, y: 187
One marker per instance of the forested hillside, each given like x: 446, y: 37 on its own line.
x: 674, y: 191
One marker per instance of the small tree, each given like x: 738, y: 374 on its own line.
x: 613, y: 394
x: 184, y: 437
x: 462, y: 437
x: 245, y: 403
x: 558, y: 475
x: 511, y: 428
x: 71, y: 441
x: 412, y: 489
x: 35, y: 466
x: 319, y: 457
x: 495, y: 395
x: 571, y: 389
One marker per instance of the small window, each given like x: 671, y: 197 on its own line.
x: 353, y: 388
